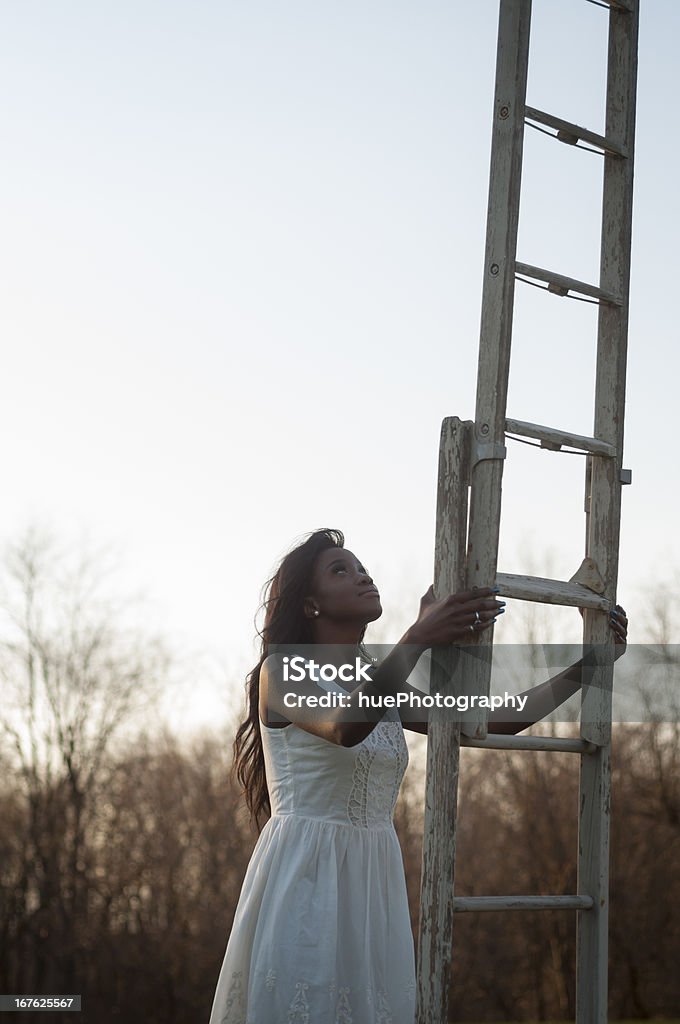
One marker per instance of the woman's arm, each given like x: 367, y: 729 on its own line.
x: 541, y: 700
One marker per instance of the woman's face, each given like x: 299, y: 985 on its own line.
x: 342, y: 588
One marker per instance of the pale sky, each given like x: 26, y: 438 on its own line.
x: 241, y: 279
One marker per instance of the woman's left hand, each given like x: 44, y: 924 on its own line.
x: 619, y: 625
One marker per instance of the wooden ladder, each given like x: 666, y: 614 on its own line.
x: 469, y: 508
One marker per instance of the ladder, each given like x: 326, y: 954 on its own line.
x: 471, y: 458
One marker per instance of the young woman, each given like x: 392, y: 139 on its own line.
x: 322, y: 933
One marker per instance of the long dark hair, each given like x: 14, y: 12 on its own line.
x: 284, y: 623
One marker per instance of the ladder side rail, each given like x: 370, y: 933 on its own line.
x: 435, y: 932
x: 496, y: 318
x: 605, y: 482
x: 604, y: 514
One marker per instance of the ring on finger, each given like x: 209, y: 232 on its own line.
x: 477, y: 618
x: 471, y: 628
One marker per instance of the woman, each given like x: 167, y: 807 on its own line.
x: 322, y: 933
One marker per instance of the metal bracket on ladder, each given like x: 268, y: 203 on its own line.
x: 482, y: 450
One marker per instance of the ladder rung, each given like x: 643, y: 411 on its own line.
x: 572, y: 133
x: 556, y: 438
x: 536, y: 588
x: 560, y: 744
x: 621, y: 5
x: 461, y: 904
x: 562, y: 285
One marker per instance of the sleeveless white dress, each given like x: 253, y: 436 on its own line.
x: 322, y: 933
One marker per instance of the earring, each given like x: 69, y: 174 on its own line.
x: 316, y: 611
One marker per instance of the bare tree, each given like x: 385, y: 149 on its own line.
x: 73, y: 673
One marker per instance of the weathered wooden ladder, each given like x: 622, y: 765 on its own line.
x: 470, y: 470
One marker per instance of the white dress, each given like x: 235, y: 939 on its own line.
x: 322, y: 933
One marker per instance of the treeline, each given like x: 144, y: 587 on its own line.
x: 138, y: 922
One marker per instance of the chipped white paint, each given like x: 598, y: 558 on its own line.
x: 439, y: 838
x: 537, y: 588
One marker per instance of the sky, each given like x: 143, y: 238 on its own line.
x: 241, y: 266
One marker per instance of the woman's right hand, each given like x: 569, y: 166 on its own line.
x: 447, y: 620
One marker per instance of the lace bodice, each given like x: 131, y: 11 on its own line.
x: 311, y: 777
